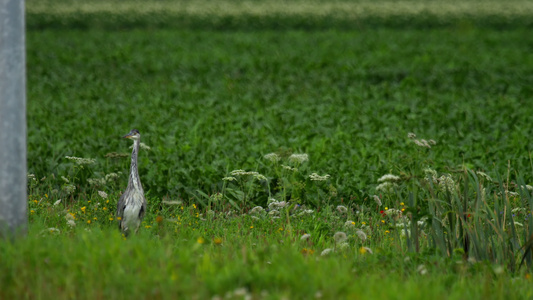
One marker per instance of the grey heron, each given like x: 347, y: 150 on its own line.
x: 131, y: 206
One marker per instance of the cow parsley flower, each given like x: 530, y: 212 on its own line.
x: 273, y: 157
x: 81, y: 161
x: 299, y: 158
x: 316, y: 177
x: 389, y: 178
x: 339, y: 237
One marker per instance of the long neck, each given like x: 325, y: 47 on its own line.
x: 134, y: 181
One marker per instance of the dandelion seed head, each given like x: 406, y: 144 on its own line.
x: 349, y: 224
x: 339, y: 237
x: 361, y: 235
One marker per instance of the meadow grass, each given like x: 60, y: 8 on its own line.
x: 290, y: 151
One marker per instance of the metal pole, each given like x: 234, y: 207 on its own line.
x: 13, y: 177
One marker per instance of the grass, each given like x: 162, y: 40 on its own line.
x: 253, y: 88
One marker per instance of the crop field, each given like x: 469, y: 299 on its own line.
x: 290, y: 150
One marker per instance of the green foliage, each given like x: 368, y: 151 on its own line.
x: 406, y: 135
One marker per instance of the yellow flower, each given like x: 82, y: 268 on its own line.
x: 147, y: 226
x: 382, y: 221
x: 35, y: 201
x: 105, y: 208
x: 32, y: 211
x: 362, y: 250
x: 95, y: 218
x: 83, y: 209
x: 159, y: 219
x: 280, y: 229
x: 119, y: 218
x: 402, y: 204
x: 364, y: 223
x: 194, y: 205
x: 200, y: 240
x: 217, y: 240
x: 386, y: 231
x: 111, y: 219
x: 46, y: 195
x: 386, y: 208
x: 252, y: 226
x: 88, y: 221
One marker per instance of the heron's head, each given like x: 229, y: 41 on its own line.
x: 133, y: 135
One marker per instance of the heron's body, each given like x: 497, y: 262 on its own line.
x: 132, y: 204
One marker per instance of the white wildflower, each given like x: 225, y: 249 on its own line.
x: 422, y: 143
x: 529, y: 187
x: 349, y: 224
x: 69, y: 216
x: 256, y: 210
x: 305, y: 237
x: 389, y: 178
x: 81, y: 161
x: 316, y: 177
x: 339, y: 237
x: 344, y: 246
x: 69, y: 188
x: 260, y: 177
x: 518, y: 210
x: 96, y: 181
x: 393, y: 212
x: 102, y: 194
x: 386, y: 187
x: 273, y: 213
x: 172, y: 202
x: 32, y: 177
x: 361, y: 235
x: 377, y: 200
x: 446, y: 183
x: 411, y: 135
x: 289, y: 168
x: 326, y: 251
x: 57, y: 202
x: 422, y: 269
x: 273, y: 157
x: 216, y: 197
x: 518, y: 224
x: 65, y: 179
x: 229, y: 178
x: 299, y: 158
x: 111, y: 177
x: 71, y: 223
x: 342, y: 209
x: 432, y: 142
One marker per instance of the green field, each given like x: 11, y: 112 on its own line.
x: 215, y: 87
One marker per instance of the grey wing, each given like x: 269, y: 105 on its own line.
x: 121, y: 205
x: 142, y: 212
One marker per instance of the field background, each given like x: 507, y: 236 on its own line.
x: 213, y: 86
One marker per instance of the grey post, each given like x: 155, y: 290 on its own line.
x: 13, y: 177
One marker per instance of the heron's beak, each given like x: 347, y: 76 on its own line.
x: 127, y: 136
